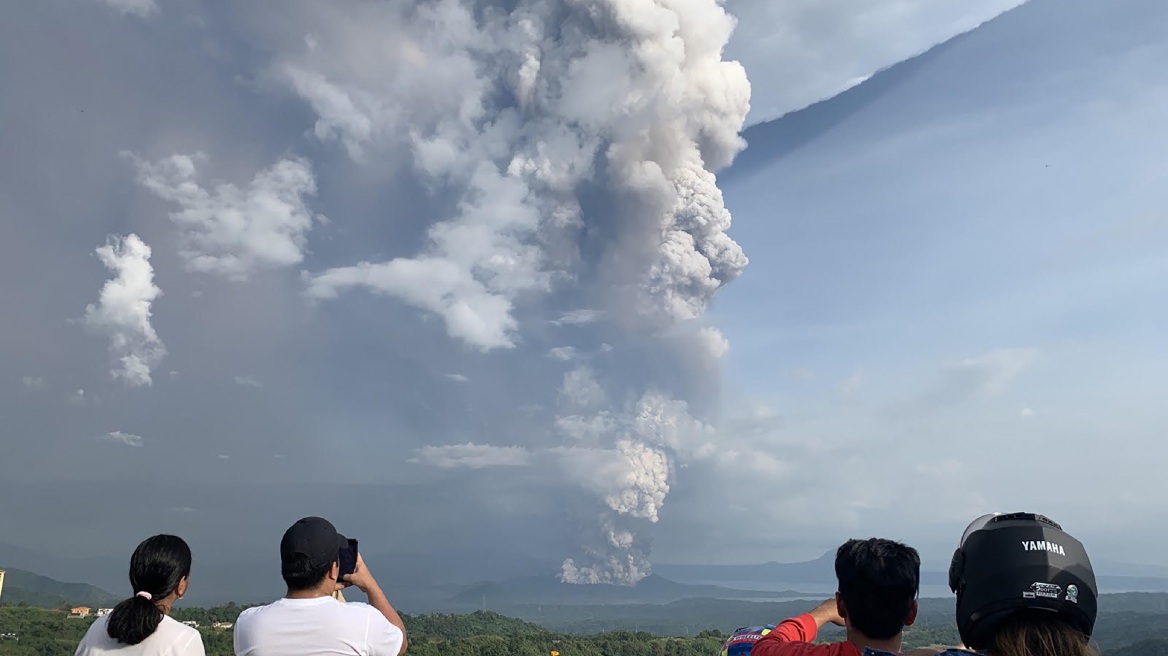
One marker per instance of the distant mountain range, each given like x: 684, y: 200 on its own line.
x: 816, y: 571
x: 464, y: 580
x: 36, y: 590
x: 550, y: 590
x: 1111, y: 576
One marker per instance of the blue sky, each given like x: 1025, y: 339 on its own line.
x: 444, y: 261
x: 1003, y: 195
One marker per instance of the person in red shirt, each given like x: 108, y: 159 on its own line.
x: 878, y: 584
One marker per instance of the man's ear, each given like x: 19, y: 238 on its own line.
x: 335, y: 571
x: 840, y: 607
x: 912, y: 614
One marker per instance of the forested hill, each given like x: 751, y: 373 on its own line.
x: 28, y: 631
x: 36, y: 590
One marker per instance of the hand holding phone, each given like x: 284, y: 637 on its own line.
x: 347, y: 559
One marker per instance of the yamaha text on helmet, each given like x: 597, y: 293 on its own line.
x: 1015, y: 563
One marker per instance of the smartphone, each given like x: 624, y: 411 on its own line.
x: 347, y: 559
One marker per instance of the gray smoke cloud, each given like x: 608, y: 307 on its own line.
x: 571, y: 150
x: 627, y: 459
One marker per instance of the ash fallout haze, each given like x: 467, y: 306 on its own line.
x: 462, y: 277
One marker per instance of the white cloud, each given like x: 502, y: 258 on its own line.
x: 1026, y: 412
x: 580, y: 390
x: 760, y: 421
x: 472, y: 456
x: 713, y: 342
x: 563, y: 353
x: 223, y: 456
x: 458, y: 378
x: 472, y: 313
x: 235, y: 232
x: 142, y: 8
x: 984, y: 377
x: 34, y: 382
x: 124, y: 438
x: 247, y: 381
x: 123, y: 310
x: 797, y: 52
x: 579, y: 317
x: 991, y: 374
x: 584, y: 429
x: 988, y: 375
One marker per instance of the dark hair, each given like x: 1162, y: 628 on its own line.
x: 157, y: 566
x: 878, y: 581
x: 1039, y: 633
x: 300, y: 574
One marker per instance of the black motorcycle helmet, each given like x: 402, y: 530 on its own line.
x: 1019, y: 563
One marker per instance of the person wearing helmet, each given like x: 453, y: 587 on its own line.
x: 878, y: 584
x: 1024, y: 588
x: 742, y: 640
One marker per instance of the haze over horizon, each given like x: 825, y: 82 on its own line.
x: 468, y: 280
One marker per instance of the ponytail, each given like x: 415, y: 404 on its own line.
x: 133, y: 620
x: 157, y: 567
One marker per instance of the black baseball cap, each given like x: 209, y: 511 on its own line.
x: 314, y: 539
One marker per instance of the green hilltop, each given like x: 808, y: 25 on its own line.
x: 29, y: 631
x: 23, y: 587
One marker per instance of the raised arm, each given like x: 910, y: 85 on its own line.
x: 801, y: 628
x: 363, y: 579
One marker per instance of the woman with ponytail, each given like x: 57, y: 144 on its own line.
x: 141, y: 625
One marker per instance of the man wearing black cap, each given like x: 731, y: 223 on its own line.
x: 311, y: 619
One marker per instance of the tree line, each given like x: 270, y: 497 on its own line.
x: 30, y: 631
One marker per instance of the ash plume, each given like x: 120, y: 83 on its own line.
x: 577, y: 143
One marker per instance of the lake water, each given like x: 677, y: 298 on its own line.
x: 813, y: 591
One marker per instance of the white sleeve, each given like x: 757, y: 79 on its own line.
x: 239, y: 634
x: 83, y: 646
x: 194, y: 646
x: 383, y: 638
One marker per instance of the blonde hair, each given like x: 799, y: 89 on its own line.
x: 1040, y: 635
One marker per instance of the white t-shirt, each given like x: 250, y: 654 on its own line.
x: 308, y: 627
x: 171, y: 638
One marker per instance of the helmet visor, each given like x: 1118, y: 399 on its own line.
x: 977, y: 525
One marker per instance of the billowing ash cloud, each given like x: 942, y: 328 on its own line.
x: 123, y: 310
x: 615, y: 555
x: 524, y: 115
x: 574, y: 147
x: 627, y: 458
